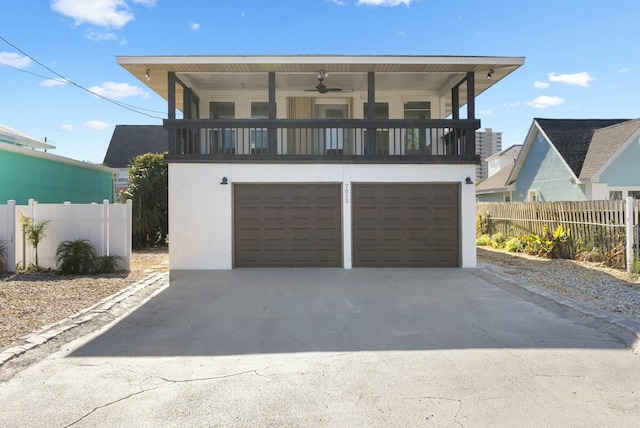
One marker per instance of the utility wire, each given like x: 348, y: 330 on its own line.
x: 71, y: 82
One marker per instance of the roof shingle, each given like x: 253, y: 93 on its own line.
x: 129, y: 141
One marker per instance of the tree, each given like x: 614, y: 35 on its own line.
x: 34, y: 232
x: 148, y: 191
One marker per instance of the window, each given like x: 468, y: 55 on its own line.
x: 506, y: 197
x: 260, y: 136
x: 222, y: 140
x: 616, y: 195
x: 417, y: 139
x: 635, y: 194
x: 533, y: 195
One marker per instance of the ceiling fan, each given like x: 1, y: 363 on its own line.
x: 321, y: 87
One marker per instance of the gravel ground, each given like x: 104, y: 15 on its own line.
x: 29, y: 301
x: 590, y: 283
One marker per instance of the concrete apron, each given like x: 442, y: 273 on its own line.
x: 331, y: 347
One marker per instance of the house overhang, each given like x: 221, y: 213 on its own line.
x: 438, y: 74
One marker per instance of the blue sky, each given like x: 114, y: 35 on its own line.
x: 582, y: 56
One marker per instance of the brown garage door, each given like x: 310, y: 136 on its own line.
x: 287, y: 225
x: 406, y: 225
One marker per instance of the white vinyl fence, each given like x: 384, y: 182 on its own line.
x: 106, y: 226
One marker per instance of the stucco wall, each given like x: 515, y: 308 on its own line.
x: 201, y: 209
x: 544, y: 171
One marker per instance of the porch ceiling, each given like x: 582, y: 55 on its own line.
x: 297, y: 73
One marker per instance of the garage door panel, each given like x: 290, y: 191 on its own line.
x: 287, y: 225
x: 405, y: 224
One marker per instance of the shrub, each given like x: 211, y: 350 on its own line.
x: 76, y: 257
x: 483, y: 219
x: 108, y: 263
x: 497, y: 240
x: 532, y: 244
x: 3, y: 255
x: 556, y: 245
x: 484, y: 240
x: 514, y: 245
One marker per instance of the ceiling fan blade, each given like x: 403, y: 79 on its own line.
x: 334, y: 89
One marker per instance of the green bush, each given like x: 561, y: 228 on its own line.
x: 3, y: 255
x: 483, y: 223
x: 484, y: 241
x: 76, y: 257
x: 497, y: 240
x: 108, y: 263
x: 514, y: 245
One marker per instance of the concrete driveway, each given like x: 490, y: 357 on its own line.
x: 335, y: 348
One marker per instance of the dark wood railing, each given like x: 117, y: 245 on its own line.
x: 340, y: 139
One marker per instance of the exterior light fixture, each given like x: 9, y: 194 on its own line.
x: 468, y: 180
x: 490, y: 74
x: 224, y: 180
x: 147, y: 76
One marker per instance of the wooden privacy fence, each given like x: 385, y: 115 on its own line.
x: 601, y: 224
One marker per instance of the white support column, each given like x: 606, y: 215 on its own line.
x: 346, y: 219
x: 629, y: 233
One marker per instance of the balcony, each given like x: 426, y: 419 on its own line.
x: 322, y: 140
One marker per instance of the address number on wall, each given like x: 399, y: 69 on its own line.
x: 346, y: 193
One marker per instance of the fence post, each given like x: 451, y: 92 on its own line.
x: 629, y: 233
x: 129, y: 231
x: 105, y: 228
x: 11, y: 223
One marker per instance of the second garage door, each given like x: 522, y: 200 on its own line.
x: 287, y: 225
x: 406, y: 225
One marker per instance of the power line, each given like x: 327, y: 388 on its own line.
x: 71, y: 82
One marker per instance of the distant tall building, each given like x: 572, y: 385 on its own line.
x: 487, y: 143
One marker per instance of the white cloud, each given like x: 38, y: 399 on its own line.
x: 67, y: 128
x: 486, y: 112
x: 49, y: 83
x: 512, y: 105
x: 96, y: 124
x: 194, y: 26
x: 385, y: 2
x: 102, y: 13
x: 546, y: 101
x: 578, y: 79
x: 338, y: 2
x: 117, y: 91
x: 97, y: 36
x: 13, y: 59
x: 624, y: 70
x: 242, y: 15
x: 401, y: 33
x: 541, y: 85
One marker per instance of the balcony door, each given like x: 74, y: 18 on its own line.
x: 332, y: 140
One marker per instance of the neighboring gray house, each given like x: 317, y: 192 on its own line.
x: 573, y: 160
x: 129, y: 141
x: 494, y: 188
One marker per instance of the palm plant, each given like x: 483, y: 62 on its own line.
x: 76, y: 257
x: 108, y: 263
x: 34, y: 232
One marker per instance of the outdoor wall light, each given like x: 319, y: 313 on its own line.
x: 468, y: 180
x: 147, y: 75
x: 224, y: 180
x: 490, y: 73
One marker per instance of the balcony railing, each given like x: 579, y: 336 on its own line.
x: 339, y: 139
